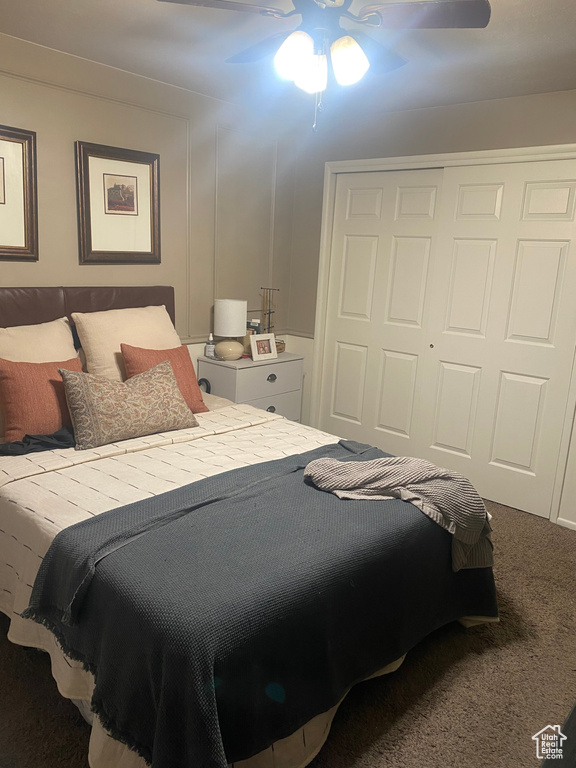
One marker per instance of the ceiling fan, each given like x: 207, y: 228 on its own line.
x: 320, y: 47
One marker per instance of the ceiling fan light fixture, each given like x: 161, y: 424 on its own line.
x: 349, y: 62
x: 295, y: 55
x: 313, y: 78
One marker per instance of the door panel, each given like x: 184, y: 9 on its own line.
x: 384, y: 224
x: 504, y: 276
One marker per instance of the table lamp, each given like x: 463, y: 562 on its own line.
x: 230, y: 320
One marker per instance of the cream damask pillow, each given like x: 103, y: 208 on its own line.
x: 104, y: 411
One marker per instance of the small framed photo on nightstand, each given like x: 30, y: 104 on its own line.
x: 263, y: 346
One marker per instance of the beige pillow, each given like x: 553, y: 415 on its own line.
x: 102, y: 333
x: 41, y: 343
x: 104, y: 411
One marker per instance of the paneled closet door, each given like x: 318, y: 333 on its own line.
x: 451, y: 321
x: 502, y: 322
x: 382, y: 245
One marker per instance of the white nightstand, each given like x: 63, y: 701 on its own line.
x: 274, y: 385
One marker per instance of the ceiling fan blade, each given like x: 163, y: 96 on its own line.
x: 230, y: 5
x: 266, y: 47
x: 428, y: 14
x: 382, y: 60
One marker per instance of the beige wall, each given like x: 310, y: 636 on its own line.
x: 543, y: 119
x: 210, y: 228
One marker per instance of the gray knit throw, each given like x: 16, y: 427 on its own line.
x: 446, y: 497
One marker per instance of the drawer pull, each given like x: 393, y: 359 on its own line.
x: 271, y: 408
x: 272, y: 378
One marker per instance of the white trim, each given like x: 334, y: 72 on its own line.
x: 328, y: 203
x: 482, y: 157
x: 273, y: 205
x: 565, y: 523
x: 568, y: 439
x: 410, y: 162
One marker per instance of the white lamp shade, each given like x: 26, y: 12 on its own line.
x: 349, y: 62
x: 294, y: 54
x: 230, y: 317
x: 314, y: 77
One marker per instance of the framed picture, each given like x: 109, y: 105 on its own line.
x: 118, y: 205
x: 263, y: 346
x: 18, y: 202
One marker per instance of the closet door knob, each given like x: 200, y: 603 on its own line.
x: 272, y: 377
x: 271, y: 408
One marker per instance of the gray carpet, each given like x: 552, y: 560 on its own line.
x: 467, y: 698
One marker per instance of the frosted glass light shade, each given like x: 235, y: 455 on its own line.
x: 314, y: 77
x: 294, y: 54
x: 230, y: 317
x: 349, y: 61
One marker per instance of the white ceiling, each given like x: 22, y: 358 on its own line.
x: 528, y: 47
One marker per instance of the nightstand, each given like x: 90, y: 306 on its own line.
x: 274, y: 385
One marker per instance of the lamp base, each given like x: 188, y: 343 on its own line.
x: 228, y: 349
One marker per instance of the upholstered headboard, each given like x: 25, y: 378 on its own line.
x: 28, y: 306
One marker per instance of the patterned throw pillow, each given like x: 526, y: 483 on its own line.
x: 104, y: 411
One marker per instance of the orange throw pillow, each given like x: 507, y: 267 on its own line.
x: 138, y: 360
x: 32, y: 398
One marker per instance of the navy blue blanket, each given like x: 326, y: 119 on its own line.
x: 220, y: 617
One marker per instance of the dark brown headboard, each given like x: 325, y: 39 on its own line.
x: 28, y: 306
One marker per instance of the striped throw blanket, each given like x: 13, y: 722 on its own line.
x: 446, y: 497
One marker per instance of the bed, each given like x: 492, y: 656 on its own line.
x: 313, y: 593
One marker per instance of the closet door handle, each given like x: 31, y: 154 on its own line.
x: 271, y: 409
x: 272, y: 378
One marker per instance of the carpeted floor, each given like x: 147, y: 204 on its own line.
x: 468, y: 698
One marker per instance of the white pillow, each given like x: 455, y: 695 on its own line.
x: 42, y: 343
x: 102, y: 333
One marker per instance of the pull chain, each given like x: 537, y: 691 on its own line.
x: 318, y: 107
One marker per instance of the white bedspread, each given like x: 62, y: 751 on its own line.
x: 42, y: 493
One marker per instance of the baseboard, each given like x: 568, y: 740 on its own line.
x: 566, y: 523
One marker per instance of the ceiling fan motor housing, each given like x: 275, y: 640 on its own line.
x: 321, y: 22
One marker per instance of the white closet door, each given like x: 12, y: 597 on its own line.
x: 502, y: 321
x: 452, y: 320
x: 382, y: 245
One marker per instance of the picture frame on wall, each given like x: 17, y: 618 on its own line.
x: 18, y: 195
x: 263, y: 346
x: 118, y: 193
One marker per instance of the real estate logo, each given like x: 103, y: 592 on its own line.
x: 549, y: 743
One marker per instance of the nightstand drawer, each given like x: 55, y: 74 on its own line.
x: 268, y: 380
x: 286, y: 404
x: 268, y: 384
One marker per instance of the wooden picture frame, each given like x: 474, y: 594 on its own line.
x: 263, y: 346
x: 118, y: 193
x: 18, y: 195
